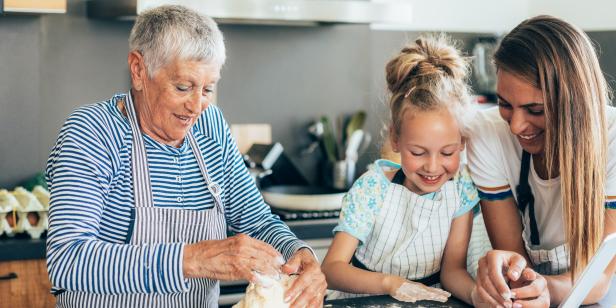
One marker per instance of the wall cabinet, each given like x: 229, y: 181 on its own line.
x: 590, y: 15
x: 485, y: 16
x: 30, y: 288
x: 33, y: 6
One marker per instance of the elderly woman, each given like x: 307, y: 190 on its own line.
x: 145, y: 185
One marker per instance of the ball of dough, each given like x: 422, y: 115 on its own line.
x: 271, y: 296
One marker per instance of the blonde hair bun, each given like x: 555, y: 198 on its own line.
x: 424, y: 59
x: 428, y: 74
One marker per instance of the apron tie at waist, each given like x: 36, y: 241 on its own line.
x: 428, y: 281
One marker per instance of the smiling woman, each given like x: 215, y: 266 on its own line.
x: 544, y: 163
x: 524, y: 101
x: 174, y: 98
x: 145, y: 186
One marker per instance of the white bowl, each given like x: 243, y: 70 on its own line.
x: 303, y: 198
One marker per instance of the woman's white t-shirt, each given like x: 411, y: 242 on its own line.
x: 494, y: 160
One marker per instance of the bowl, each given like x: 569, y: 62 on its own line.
x: 303, y: 198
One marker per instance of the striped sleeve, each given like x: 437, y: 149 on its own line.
x: 610, y: 202
x: 79, y: 173
x: 246, y: 210
x: 494, y: 193
x: 610, y: 180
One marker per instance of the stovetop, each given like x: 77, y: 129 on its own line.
x: 291, y: 215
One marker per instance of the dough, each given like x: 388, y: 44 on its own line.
x: 270, y: 296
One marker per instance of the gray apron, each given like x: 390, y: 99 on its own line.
x: 154, y: 225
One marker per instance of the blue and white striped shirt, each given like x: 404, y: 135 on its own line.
x: 90, y: 180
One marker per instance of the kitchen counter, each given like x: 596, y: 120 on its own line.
x: 387, y: 301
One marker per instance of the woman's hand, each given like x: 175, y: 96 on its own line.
x: 233, y: 258
x: 497, y: 270
x: 308, y: 290
x: 478, y: 301
x: 531, y: 290
x: 408, y: 291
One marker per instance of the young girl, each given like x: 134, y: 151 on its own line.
x: 405, y: 227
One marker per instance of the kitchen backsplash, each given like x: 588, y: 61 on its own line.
x: 284, y: 76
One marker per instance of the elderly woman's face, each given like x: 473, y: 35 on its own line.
x: 175, y: 97
x: 521, y: 105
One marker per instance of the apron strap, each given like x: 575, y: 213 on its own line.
x: 526, y: 198
x: 141, y: 173
x: 428, y: 281
x: 212, y: 186
x: 399, y: 177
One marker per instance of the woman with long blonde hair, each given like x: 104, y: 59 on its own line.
x: 544, y: 163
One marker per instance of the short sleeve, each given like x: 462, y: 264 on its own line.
x: 610, y: 183
x: 361, y: 205
x: 485, y: 160
x: 469, y: 196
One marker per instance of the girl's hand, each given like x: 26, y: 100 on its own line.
x: 408, y: 291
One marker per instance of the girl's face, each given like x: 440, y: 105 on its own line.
x: 522, y: 106
x: 429, y: 145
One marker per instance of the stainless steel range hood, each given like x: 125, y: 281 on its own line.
x: 286, y: 12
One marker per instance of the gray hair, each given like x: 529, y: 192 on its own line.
x: 167, y: 32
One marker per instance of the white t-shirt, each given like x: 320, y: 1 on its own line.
x: 494, y: 160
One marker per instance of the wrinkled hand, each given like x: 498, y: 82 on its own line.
x: 308, y: 290
x: 233, y: 258
x: 530, y: 290
x: 408, y: 291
